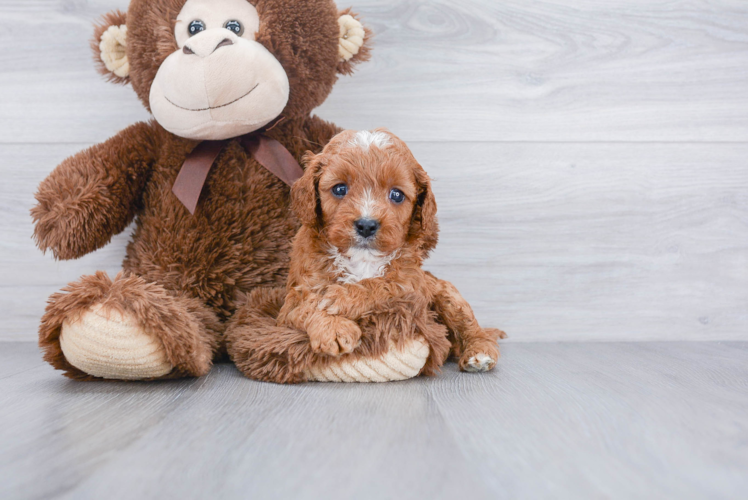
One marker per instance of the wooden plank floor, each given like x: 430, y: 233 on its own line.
x: 555, y: 420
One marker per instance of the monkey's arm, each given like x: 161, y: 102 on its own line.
x: 94, y: 194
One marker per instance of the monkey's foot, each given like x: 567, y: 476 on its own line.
x: 127, y: 329
x: 110, y: 344
x: 395, y: 364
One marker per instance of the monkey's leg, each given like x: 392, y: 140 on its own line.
x: 264, y: 351
x: 127, y: 329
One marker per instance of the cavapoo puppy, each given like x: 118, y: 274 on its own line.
x: 356, y: 287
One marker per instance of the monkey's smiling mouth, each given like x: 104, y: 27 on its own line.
x: 212, y: 107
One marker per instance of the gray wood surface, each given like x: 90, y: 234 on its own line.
x: 555, y: 420
x: 560, y: 70
x: 589, y: 158
x: 548, y: 241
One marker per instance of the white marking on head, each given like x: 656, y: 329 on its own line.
x: 367, y: 205
x: 364, y: 139
x: 359, y: 264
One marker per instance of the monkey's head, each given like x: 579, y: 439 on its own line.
x: 216, y: 69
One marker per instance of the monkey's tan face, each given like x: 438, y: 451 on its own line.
x: 221, y: 83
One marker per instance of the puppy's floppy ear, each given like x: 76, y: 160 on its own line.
x: 424, y: 227
x: 109, y: 45
x: 305, y: 200
x: 354, y: 42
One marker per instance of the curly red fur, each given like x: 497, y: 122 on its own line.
x: 324, y: 314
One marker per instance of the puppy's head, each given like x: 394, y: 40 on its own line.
x: 365, y: 190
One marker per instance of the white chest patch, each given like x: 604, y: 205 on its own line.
x: 359, y: 264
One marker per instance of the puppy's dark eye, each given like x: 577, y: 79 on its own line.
x: 397, y: 196
x: 235, y: 27
x: 340, y: 190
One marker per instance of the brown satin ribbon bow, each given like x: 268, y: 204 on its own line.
x: 268, y: 152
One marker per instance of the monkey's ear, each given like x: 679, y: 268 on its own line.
x: 110, y: 47
x: 305, y: 200
x: 354, y: 43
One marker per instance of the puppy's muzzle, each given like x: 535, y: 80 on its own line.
x: 366, y: 228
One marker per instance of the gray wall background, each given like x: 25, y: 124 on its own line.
x: 590, y: 158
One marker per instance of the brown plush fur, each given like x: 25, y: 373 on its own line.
x: 301, y: 34
x: 265, y: 351
x: 187, y: 266
x: 188, y: 329
x: 323, y: 315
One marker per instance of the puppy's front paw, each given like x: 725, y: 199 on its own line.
x: 479, y: 358
x: 334, y: 335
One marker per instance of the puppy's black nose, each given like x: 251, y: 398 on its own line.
x: 366, y: 227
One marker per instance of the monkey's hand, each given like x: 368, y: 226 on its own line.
x: 93, y: 195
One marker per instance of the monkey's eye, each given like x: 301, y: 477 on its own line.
x: 397, y: 196
x: 235, y: 27
x: 339, y: 190
x: 196, y: 27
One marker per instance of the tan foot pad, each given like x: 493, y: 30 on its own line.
x: 394, y: 365
x: 107, y: 344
